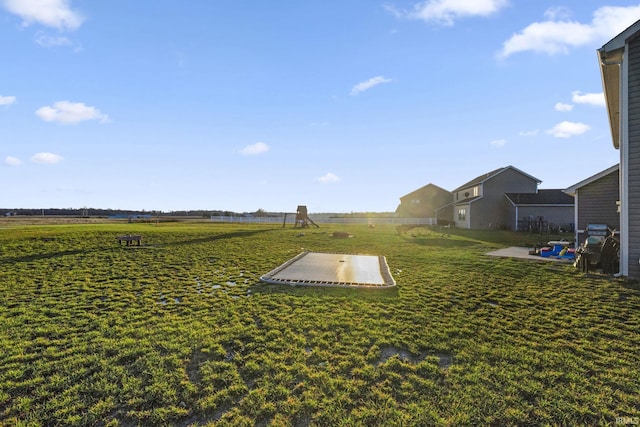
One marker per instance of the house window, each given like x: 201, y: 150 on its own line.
x: 415, y: 201
x: 476, y: 191
x: 462, y: 214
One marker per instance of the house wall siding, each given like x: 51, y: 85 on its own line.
x: 429, y: 199
x: 633, y: 166
x: 597, y: 204
x: 511, y: 212
x: 468, y: 192
x: 489, y: 212
x: 554, y: 216
x: 445, y: 214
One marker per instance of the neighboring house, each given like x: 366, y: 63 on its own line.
x: 540, y: 211
x: 506, y: 198
x: 423, y: 203
x: 620, y: 69
x: 479, y: 204
x: 596, y: 200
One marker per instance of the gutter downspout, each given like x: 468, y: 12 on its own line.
x: 575, y: 216
x: 624, y: 167
x: 623, y: 135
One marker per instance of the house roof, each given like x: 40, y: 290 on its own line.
x: 621, y: 39
x: 487, y: 176
x: 435, y: 187
x: 466, y: 200
x: 572, y: 190
x: 610, y: 56
x: 443, y: 206
x: 542, y: 197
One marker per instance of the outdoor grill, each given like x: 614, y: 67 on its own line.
x: 601, y: 249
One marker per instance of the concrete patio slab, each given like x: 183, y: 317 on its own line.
x: 523, y: 253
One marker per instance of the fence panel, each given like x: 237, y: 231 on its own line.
x: 326, y: 220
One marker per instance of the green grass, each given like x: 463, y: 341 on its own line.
x: 181, y: 332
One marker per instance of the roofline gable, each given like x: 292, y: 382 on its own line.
x: 423, y: 187
x: 610, y: 58
x: 468, y: 200
x: 443, y: 206
x: 621, y: 39
x: 522, y: 172
x: 572, y: 189
x: 490, y: 175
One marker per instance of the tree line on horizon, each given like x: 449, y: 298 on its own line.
x: 86, y: 212
x: 94, y: 212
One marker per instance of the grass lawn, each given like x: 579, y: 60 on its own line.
x: 180, y: 332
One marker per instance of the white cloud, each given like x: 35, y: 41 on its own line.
x: 368, y: 84
x: 557, y: 12
x: 46, y: 40
x: 51, y: 13
x: 70, y: 112
x: 567, y: 129
x: 596, y: 99
x: 446, y: 12
x: 498, y: 143
x: 7, y: 100
x: 561, y: 106
x: 328, y: 178
x: 555, y: 36
x: 46, y: 158
x: 529, y: 132
x: 257, y: 148
x: 12, y: 161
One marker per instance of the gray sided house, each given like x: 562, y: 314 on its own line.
x: 426, y: 202
x: 541, y: 210
x: 620, y: 69
x: 596, y: 200
x: 479, y: 204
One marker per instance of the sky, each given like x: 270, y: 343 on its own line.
x: 341, y: 106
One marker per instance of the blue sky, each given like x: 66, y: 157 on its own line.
x: 342, y: 106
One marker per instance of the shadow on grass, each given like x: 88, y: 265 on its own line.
x: 72, y: 252
x: 443, y: 242
x: 502, y: 237
x: 215, y: 237
x: 43, y: 256
x: 632, y: 285
x: 326, y: 291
